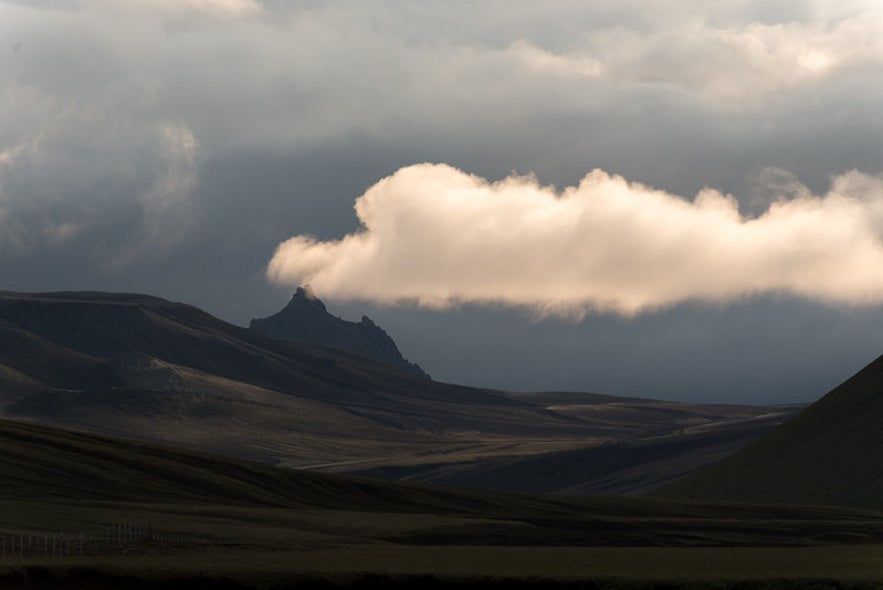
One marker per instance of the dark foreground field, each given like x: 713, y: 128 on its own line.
x: 86, y: 511
x: 819, y: 568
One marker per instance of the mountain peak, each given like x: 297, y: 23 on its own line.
x: 304, y: 292
x: 305, y: 319
x: 304, y: 296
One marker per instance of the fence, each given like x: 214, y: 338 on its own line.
x: 115, y: 538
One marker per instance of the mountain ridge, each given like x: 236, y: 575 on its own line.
x: 306, y: 319
x: 146, y: 368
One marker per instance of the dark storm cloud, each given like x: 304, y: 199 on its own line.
x: 170, y: 146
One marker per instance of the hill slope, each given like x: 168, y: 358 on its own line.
x: 831, y: 453
x: 44, y: 463
x: 149, y: 369
x: 75, y: 475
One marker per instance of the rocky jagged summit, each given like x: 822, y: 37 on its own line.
x: 305, y: 319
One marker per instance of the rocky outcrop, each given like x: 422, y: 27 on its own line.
x: 305, y: 319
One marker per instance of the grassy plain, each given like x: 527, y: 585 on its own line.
x: 467, y: 566
x: 224, y: 523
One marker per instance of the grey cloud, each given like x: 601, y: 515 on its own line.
x: 297, y: 108
x: 167, y: 204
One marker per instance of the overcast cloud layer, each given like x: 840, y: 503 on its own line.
x: 96, y: 93
x: 170, y: 147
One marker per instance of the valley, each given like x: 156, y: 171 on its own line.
x: 144, y: 368
x: 216, y: 522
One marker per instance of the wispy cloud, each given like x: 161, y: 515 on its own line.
x: 436, y: 236
x: 735, y: 63
x: 211, y: 8
x: 167, y: 207
x: 223, y: 7
x: 16, y: 235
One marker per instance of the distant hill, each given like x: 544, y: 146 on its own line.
x: 305, y: 319
x: 145, y: 368
x: 831, y: 453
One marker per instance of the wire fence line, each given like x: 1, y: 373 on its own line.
x: 122, y: 537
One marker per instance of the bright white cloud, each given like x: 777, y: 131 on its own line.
x: 434, y: 235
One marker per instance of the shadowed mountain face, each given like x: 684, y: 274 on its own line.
x: 831, y: 453
x: 305, y: 319
x: 149, y: 369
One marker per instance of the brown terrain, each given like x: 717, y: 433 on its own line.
x: 148, y: 369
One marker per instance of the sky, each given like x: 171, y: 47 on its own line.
x: 678, y: 200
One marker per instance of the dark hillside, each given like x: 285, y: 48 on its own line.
x: 106, y: 325
x: 76, y: 474
x: 149, y: 369
x: 42, y: 361
x: 831, y: 453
